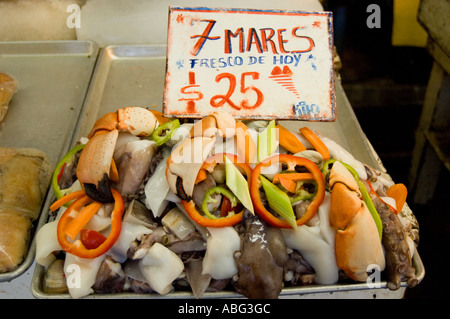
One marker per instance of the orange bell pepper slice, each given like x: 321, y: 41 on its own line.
x: 316, y: 142
x: 71, y: 223
x: 209, y: 165
x: 289, y: 141
x: 398, y: 192
x: 160, y: 117
x: 291, y: 161
x: 288, y: 180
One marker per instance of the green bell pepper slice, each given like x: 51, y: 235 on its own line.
x: 208, y: 198
x: 67, y: 159
x: 164, y: 132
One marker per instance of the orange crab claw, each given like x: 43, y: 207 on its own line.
x: 187, y: 158
x: 96, y: 161
x: 357, y: 243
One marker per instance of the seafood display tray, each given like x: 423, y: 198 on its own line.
x: 133, y: 75
x: 53, y: 78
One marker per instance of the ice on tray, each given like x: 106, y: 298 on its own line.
x: 110, y: 22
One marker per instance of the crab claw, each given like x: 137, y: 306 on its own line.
x: 187, y: 158
x: 96, y: 160
x: 357, y: 244
x: 95, y: 163
x: 184, y: 164
x: 135, y: 120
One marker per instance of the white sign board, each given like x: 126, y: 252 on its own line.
x: 254, y: 64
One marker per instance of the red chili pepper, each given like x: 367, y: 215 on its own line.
x: 209, y: 165
x: 76, y: 217
x: 61, y: 171
x: 291, y: 161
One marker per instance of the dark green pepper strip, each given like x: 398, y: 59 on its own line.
x: 209, y: 199
x: 365, y: 195
x: 302, y: 194
x: 59, y: 167
x: 164, y: 131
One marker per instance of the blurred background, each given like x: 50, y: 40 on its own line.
x: 386, y: 75
x: 386, y: 62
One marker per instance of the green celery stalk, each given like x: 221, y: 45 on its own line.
x: 267, y: 142
x: 238, y: 185
x: 373, y: 211
x: 279, y: 201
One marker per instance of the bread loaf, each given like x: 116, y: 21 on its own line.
x: 25, y: 175
x: 8, y: 87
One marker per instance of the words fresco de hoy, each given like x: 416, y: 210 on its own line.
x: 258, y: 64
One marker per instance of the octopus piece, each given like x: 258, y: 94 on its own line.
x: 110, y: 277
x: 298, y: 271
x: 259, y: 274
x: 398, y: 261
x: 133, y: 163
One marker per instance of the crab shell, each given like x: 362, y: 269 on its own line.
x: 96, y: 159
x: 358, y: 245
x: 187, y: 157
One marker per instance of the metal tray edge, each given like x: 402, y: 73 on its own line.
x: 37, y: 291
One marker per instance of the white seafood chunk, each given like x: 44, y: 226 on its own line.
x: 316, y: 244
x: 341, y: 154
x: 160, y: 267
x: 221, y: 245
x: 327, y: 231
x: 156, y: 189
x: 46, y: 244
x: 81, y: 274
x: 129, y: 233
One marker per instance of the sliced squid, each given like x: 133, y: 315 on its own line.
x: 129, y: 233
x: 160, y: 267
x: 157, y: 188
x: 219, y: 260
x: 316, y: 244
x: 46, y: 244
x: 81, y: 274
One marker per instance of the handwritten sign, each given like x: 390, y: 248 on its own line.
x: 255, y: 64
